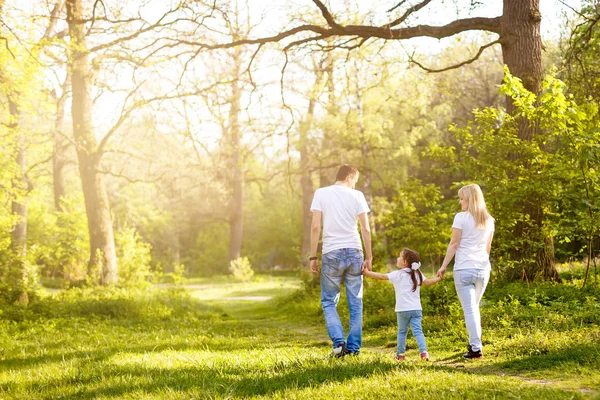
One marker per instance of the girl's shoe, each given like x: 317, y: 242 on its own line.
x: 425, y: 356
x: 400, y: 357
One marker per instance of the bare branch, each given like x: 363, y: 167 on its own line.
x: 7, y: 47
x: 469, y: 61
x: 53, y: 17
x: 407, y: 14
x: 396, y: 6
x: 364, y: 31
x: 327, y: 15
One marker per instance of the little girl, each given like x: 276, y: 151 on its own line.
x: 407, y: 285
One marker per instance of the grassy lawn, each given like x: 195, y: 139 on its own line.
x: 169, y: 344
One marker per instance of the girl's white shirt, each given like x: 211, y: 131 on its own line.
x: 472, y: 248
x: 406, y: 299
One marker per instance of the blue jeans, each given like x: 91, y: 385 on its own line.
x: 413, y: 317
x: 470, y: 285
x: 343, y: 265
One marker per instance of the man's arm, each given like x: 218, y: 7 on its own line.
x: 365, y: 230
x: 315, y: 233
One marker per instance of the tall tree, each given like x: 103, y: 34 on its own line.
x: 519, y: 35
x: 102, y: 242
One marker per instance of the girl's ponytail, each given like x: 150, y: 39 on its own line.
x: 414, y: 263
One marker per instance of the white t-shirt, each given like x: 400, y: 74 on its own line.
x: 340, y: 206
x: 406, y: 299
x: 472, y: 248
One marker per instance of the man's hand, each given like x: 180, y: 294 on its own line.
x: 314, y: 267
x: 367, y: 265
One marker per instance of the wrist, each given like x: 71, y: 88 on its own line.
x: 313, y: 258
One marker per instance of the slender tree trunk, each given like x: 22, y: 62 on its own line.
x: 522, y: 53
x: 103, y: 257
x: 18, y: 243
x: 305, y: 161
x: 332, y: 110
x: 236, y: 171
x: 60, y: 146
x: 366, y: 175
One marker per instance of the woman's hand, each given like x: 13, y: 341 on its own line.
x: 441, y: 272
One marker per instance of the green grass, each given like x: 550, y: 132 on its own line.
x: 165, y: 344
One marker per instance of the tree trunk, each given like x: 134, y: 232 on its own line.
x: 236, y: 171
x: 60, y: 147
x: 18, y: 242
x: 522, y: 53
x: 305, y: 178
x: 103, y: 257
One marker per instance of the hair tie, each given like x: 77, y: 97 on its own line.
x: 415, y: 266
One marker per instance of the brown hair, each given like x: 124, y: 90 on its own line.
x: 345, y: 171
x: 411, y: 256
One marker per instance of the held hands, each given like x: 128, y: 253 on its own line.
x: 367, y: 265
x: 441, y: 272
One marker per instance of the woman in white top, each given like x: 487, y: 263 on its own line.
x: 472, y: 233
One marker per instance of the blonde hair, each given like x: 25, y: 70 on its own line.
x: 474, y: 196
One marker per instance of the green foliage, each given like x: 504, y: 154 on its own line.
x: 209, y: 255
x: 133, y: 256
x: 241, y: 269
x: 555, y: 167
x: 581, y: 66
x: 59, y: 241
x: 418, y: 219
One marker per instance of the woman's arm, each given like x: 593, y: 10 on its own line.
x: 489, y: 243
x: 451, y: 251
x: 375, y: 275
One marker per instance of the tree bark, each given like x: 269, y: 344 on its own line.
x: 103, y: 257
x: 522, y: 53
x: 18, y: 243
x: 236, y: 171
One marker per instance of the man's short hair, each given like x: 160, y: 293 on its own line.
x: 345, y: 171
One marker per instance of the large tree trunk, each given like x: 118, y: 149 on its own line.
x: 522, y: 53
x: 18, y: 241
x: 103, y: 257
x: 236, y: 171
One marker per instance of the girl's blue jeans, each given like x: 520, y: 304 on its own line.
x: 413, y: 318
x: 343, y: 265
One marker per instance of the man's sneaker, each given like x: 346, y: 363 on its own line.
x: 400, y: 357
x: 340, y: 351
x: 472, y: 355
x: 425, y: 356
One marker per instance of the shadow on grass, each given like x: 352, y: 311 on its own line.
x: 563, y: 359
x: 239, y: 382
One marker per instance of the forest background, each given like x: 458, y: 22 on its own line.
x: 146, y: 138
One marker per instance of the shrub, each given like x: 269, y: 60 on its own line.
x: 241, y: 269
x: 133, y: 256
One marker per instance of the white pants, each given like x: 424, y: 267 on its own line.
x: 470, y: 285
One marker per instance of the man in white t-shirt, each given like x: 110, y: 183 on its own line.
x: 340, y: 206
